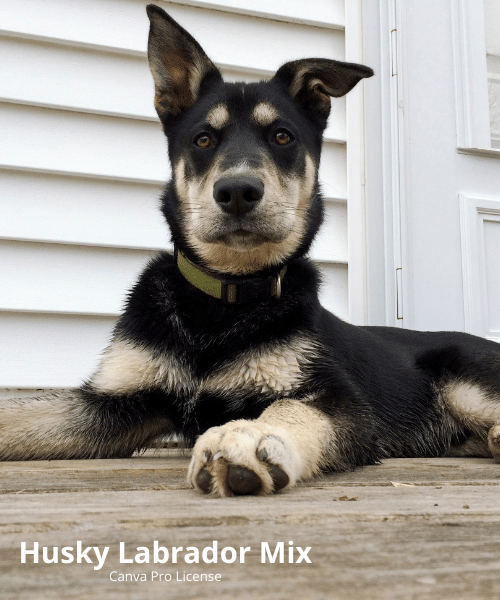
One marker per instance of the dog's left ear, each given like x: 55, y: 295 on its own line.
x: 178, y: 64
x: 312, y: 81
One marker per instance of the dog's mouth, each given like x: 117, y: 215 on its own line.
x: 242, y: 238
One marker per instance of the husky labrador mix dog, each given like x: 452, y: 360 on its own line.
x: 225, y: 343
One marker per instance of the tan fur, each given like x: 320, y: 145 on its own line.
x: 316, y: 85
x: 494, y: 441
x: 176, y: 86
x: 264, y: 114
x: 276, y: 368
x: 310, y: 429
x: 278, y: 222
x: 218, y: 116
x: 295, y: 437
x: 298, y: 80
x: 126, y: 368
x: 62, y: 426
x: 471, y: 405
x: 40, y: 427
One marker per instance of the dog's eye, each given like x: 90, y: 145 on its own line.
x: 282, y: 137
x: 203, y: 140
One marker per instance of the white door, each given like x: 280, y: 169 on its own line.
x: 433, y: 164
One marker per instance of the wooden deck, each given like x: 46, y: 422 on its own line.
x: 371, y: 537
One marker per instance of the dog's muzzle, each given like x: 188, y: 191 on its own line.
x: 238, y: 195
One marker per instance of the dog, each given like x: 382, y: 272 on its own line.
x: 225, y: 343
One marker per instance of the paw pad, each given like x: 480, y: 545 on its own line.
x: 242, y: 481
x: 204, y: 480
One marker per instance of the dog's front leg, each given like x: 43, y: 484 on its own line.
x: 78, y: 423
x: 287, y: 443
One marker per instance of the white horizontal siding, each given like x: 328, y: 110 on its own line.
x: 331, y: 244
x: 76, y: 143
x: 95, y: 81
x: 121, y: 25
x: 77, y: 210
x: 334, y: 289
x: 50, y: 351
x: 67, y: 279
x: 324, y: 13
x: 52, y: 75
x: 83, y: 160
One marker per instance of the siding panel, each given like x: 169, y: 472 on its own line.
x: 48, y: 74
x: 121, y: 25
x: 92, y: 145
x: 50, y: 351
x: 72, y: 279
x: 331, y: 244
x: 324, y: 13
x: 75, y: 210
x: 86, y: 80
x: 334, y: 289
x: 93, y: 81
x: 83, y: 161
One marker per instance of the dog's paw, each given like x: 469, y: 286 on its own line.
x: 244, y: 457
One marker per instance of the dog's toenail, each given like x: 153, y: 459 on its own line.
x: 204, y: 480
x: 218, y: 455
x: 280, y: 478
x: 262, y: 455
x: 242, y: 481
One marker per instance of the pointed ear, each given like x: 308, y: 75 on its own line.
x: 178, y: 64
x: 312, y: 81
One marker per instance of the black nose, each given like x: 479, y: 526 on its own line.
x: 238, y: 195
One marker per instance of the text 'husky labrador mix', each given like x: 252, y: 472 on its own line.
x: 225, y: 343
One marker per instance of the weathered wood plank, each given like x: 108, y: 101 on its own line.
x: 438, y: 538
x: 162, y: 470
x: 167, y: 469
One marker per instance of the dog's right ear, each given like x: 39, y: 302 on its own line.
x: 178, y: 64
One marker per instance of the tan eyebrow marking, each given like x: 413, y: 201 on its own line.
x: 218, y: 116
x: 264, y: 113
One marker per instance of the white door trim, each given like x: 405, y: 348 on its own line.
x: 356, y: 212
x: 474, y: 212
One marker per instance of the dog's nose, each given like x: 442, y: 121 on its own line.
x: 238, y: 195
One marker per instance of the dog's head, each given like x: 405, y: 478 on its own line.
x: 244, y: 195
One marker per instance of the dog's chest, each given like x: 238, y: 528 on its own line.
x: 272, y: 369
x: 276, y: 368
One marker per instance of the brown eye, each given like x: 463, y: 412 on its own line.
x: 282, y: 138
x: 203, y: 141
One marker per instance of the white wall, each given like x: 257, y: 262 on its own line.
x: 83, y: 159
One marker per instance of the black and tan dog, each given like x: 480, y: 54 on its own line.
x: 225, y: 343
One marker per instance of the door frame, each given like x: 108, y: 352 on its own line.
x: 379, y: 285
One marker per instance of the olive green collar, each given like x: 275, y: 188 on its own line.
x: 230, y: 290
